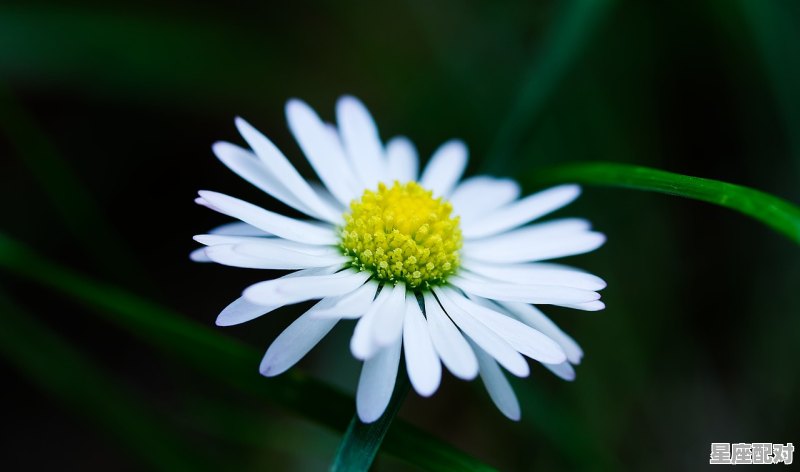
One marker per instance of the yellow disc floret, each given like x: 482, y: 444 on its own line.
x: 402, y: 234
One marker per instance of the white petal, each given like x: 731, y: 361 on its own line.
x: 362, y: 344
x: 361, y: 141
x: 540, y: 294
x: 521, y: 337
x: 563, y: 370
x: 450, y: 344
x: 199, y: 255
x: 535, y: 274
x: 402, y: 159
x: 376, y: 384
x: 533, y: 317
x: 388, y: 325
x: 596, y: 305
x: 242, y: 310
x: 250, y: 168
x: 225, y: 255
x: 422, y: 363
x: 484, y: 337
x: 237, y: 228
x: 287, y: 291
x: 445, y: 168
x: 497, y: 385
x: 325, y: 195
x: 284, y: 258
x: 479, y: 195
x: 293, y: 343
x: 352, y: 305
x: 522, y: 211
x: 277, y: 164
x: 215, y: 239
x: 268, y: 221
x: 325, y: 155
x: 498, y: 250
x: 268, y: 253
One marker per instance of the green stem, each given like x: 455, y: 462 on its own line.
x: 361, y: 441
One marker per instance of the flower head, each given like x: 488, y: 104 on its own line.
x: 448, y: 271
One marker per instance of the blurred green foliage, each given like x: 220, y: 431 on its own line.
x: 106, y: 114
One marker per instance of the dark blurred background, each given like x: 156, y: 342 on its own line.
x: 108, y: 111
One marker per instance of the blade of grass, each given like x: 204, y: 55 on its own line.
x: 560, y: 49
x: 361, y: 441
x: 224, y: 359
x: 778, y: 214
x: 68, y: 375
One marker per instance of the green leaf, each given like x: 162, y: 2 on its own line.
x: 775, y: 212
x: 224, y: 359
x: 361, y: 441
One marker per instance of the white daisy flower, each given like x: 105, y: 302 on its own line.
x: 448, y: 270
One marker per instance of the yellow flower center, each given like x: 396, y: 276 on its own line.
x: 402, y: 234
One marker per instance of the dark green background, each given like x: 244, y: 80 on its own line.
x: 107, y: 114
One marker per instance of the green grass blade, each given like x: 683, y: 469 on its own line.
x: 560, y: 48
x: 224, y: 359
x: 65, y: 373
x: 778, y: 214
x: 361, y: 441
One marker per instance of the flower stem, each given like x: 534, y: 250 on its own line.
x: 361, y: 441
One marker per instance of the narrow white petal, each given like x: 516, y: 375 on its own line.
x: 484, y: 337
x: 402, y: 159
x: 267, y: 253
x: 450, y: 344
x: 325, y: 195
x: 563, y: 370
x: 225, y: 255
x: 325, y: 155
x: 540, y: 294
x: 535, y: 274
x: 445, y: 168
x: 242, y: 310
x: 268, y: 221
x: 596, y: 305
x: 533, y: 317
x: 284, y: 258
x: 267, y: 242
x: 237, y: 228
x: 523, y: 338
x: 359, y: 135
x: 422, y: 363
x: 352, y: 305
x: 376, y: 384
x: 199, y: 255
x: 479, y: 195
x: 250, y: 168
x: 362, y: 344
x: 499, y: 251
x: 388, y: 325
x: 277, y: 164
x: 522, y: 211
x: 287, y: 291
x: 293, y: 343
x: 500, y: 391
